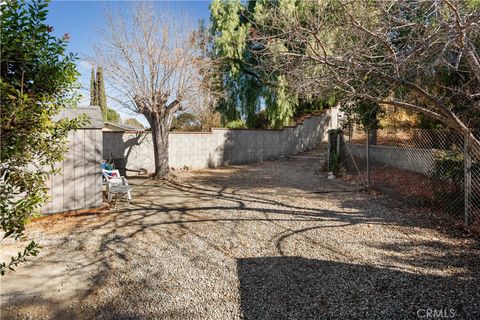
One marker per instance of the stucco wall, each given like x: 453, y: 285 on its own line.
x: 412, y: 159
x: 220, y: 146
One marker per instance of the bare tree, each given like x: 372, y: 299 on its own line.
x: 203, y: 104
x: 209, y: 87
x: 389, y: 52
x: 203, y: 107
x: 151, y: 62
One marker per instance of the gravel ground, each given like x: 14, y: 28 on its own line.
x: 275, y: 240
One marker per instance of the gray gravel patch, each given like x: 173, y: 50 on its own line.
x: 275, y: 240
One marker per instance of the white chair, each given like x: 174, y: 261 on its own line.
x: 117, y: 185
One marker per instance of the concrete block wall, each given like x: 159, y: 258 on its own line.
x: 411, y: 159
x: 197, y: 150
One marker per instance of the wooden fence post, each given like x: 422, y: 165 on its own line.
x: 368, y: 158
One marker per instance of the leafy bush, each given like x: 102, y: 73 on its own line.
x: 447, y: 180
x: 112, y: 116
x: 236, y: 124
x: 335, y: 164
x: 38, y: 79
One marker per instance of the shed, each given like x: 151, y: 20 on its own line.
x: 79, y: 184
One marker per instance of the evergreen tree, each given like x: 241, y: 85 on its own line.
x: 100, y: 92
x: 93, y: 96
x: 99, y: 98
x: 112, y: 116
x: 248, y: 90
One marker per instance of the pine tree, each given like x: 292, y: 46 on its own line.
x: 93, y: 92
x: 100, y: 92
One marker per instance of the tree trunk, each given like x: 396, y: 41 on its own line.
x: 473, y: 60
x: 160, y: 126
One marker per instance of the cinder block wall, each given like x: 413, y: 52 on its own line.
x: 197, y: 150
x: 411, y: 159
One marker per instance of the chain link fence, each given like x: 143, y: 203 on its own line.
x: 439, y: 169
x: 472, y: 178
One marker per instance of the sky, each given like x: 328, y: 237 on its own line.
x: 82, y: 20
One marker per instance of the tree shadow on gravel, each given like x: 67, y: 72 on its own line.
x: 299, y: 288
x: 460, y: 258
x: 394, y: 212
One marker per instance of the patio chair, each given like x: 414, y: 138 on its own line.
x: 117, y: 186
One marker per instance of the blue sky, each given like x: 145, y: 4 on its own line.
x: 82, y: 19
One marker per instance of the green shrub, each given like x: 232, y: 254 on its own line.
x: 37, y: 80
x: 447, y: 180
x: 335, y: 163
x: 236, y: 124
x: 335, y: 158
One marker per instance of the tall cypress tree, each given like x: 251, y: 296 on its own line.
x: 100, y: 92
x: 93, y: 91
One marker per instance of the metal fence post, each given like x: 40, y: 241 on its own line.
x: 329, y: 143
x: 368, y: 159
x: 467, y: 158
